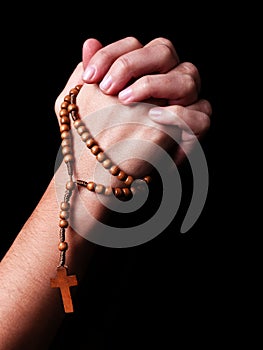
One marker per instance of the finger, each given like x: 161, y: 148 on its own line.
x: 190, y: 69
x: 89, y: 48
x: 195, y: 120
x: 167, y: 43
x: 175, y: 86
x: 150, y: 59
x: 102, y: 60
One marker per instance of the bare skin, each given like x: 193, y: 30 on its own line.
x: 31, y: 311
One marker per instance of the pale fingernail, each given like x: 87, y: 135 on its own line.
x: 162, y: 115
x: 106, y: 83
x: 126, y: 94
x: 89, y: 73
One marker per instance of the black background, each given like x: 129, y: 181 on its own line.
x: 175, y: 288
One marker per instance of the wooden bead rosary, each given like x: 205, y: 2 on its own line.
x: 69, y: 113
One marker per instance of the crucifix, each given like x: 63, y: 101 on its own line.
x: 64, y: 282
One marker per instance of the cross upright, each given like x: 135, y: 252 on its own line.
x: 64, y: 282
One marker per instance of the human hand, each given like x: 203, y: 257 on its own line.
x: 151, y: 73
x: 167, y: 84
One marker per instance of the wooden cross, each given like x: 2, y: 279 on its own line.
x: 64, y: 282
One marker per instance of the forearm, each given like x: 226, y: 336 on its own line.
x: 30, y: 310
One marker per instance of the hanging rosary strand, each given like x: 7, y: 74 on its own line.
x: 69, y: 114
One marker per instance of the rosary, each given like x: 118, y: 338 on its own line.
x: 69, y: 114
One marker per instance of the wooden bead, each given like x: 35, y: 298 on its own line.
x: 91, y: 142
x: 68, y: 158
x: 64, y: 105
x: 114, y: 170
x: 64, y: 127
x: 129, y: 180
x: 118, y: 192
x: 95, y: 150
x: 63, y: 112
x: 64, y: 214
x: 81, y: 129
x: 107, y: 163
x: 101, y: 156
x: 91, y: 186
x: 127, y: 192
x: 77, y: 123
x: 66, y: 142
x: 67, y: 98
x: 74, y: 91
x: 72, y: 107
x: 70, y: 185
x: 99, y: 188
x: 122, y: 175
x: 64, y: 120
x: 78, y: 87
x: 66, y: 150
x: 147, y: 179
x: 108, y: 191
x: 65, y: 135
x: 63, y: 223
x: 64, y: 205
x: 62, y: 246
x: 85, y: 136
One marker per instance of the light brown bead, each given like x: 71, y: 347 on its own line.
x: 64, y: 127
x: 107, y: 163
x: 147, y: 179
x: 62, y: 246
x: 67, y: 98
x: 99, y: 188
x: 95, y: 150
x: 127, y: 192
x: 129, y: 180
x: 77, y: 123
x: 63, y: 112
x: 66, y: 150
x: 65, y: 135
x: 118, y: 192
x: 101, y: 156
x: 114, y: 170
x: 68, y: 158
x: 64, y: 214
x: 78, y: 87
x: 91, y: 186
x: 64, y: 205
x: 85, y: 136
x: 122, y: 175
x: 64, y: 120
x: 91, y: 142
x: 72, y: 107
x: 108, y: 191
x: 74, y: 91
x: 64, y: 105
x: 70, y: 185
x: 81, y: 129
x: 66, y: 142
x: 63, y: 223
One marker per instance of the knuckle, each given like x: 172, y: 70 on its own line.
x: 189, y: 82
x: 124, y: 63
x: 165, y: 42
x: 190, y: 68
x: 132, y: 41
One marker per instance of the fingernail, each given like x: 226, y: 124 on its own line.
x: 126, y: 94
x: 89, y: 73
x: 163, y: 115
x: 106, y: 83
